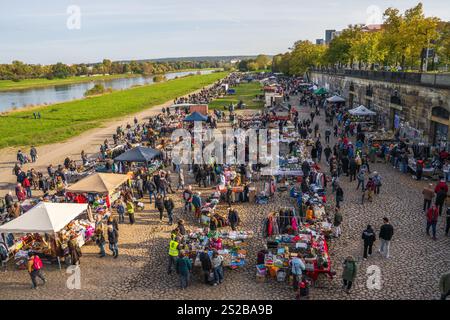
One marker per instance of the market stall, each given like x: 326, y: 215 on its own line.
x: 194, y: 117
x: 336, y: 99
x: 46, y: 230
x: 320, y: 92
x: 103, y: 185
x: 231, y: 245
x: 139, y: 154
x: 279, y: 112
x: 288, y: 237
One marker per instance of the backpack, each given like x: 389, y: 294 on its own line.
x: 37, y: 263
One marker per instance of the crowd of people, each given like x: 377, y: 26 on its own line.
x: 348, y: 159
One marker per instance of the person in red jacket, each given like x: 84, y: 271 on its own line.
x: 432, y: 219
x: 20, y: 192
x: 26, y: 184
x: 442, y: 185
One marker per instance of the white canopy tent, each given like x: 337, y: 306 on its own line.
x: 45, y: 217
x: 335, y: 99
x: 361, y: 111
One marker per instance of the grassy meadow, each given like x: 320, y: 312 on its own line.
x: 65, y: 120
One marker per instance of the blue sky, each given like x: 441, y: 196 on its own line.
x: 36, y: 31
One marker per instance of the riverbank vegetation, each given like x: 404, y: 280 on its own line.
x: 407, y: 41
x: 61, y: 121
x: 96, y: 90
x: 19, y: 71
x: 159, y: 78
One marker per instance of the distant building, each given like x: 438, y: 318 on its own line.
x: 372, y: 27
x: 320, y: 41
x: 329, y: 35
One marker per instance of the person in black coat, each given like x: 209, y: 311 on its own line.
x: 113, y: 238
x: 157, y: 182
x: 441, y: 195
x: 352, y: 169
x: 159, y: 204
x: 369, y: 238
x: 206, y: 265
x: 386, y: 234
x: 314, y: 153
x: 233, y: 218
x: 306, y: 168
x: 339, y: 196
x: 345, y: 164
x: 169, y: 205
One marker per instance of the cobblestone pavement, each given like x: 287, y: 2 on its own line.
x: 412, y: 272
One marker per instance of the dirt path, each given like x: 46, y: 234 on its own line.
x: 55, y: 153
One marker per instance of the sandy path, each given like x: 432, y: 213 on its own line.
x: 55, y: 153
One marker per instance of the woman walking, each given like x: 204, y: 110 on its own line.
x: 349, y: 273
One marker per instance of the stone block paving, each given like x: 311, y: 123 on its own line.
x: 412, y: 272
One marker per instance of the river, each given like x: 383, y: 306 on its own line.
x: 61, y: 93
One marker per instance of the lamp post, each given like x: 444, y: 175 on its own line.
x: 425, y: 67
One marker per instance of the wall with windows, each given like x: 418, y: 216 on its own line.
x: 421, y: 107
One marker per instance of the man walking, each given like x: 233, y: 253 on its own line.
x: 113, y: 238
x: 327, y: 151
x: 327, y: 135
x: 151, y: 188
x: 369, y: 238
x: 386, y: 234
x: 432, y: 219
x: 428, y: 195
x: 169, y: 206
x: 173, y: 253
x: 34, y: 266
x: 441, y: 191
x: 130, y: 211
x: 183, y: 267
x: 337, y: 222
x: 33, y: 154
x: 361, y: 179
x: 352, y: 169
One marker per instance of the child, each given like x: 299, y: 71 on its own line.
x: 370, y: 189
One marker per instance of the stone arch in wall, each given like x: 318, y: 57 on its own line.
x: 396, y: 99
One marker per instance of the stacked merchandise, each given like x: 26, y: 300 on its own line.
x: 81, y: 230
x: 208, y: 210
x: 48, y: 246
x: 309, y: 242
x: 230, y: 245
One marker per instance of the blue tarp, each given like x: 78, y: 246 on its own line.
x: 195, y: 116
